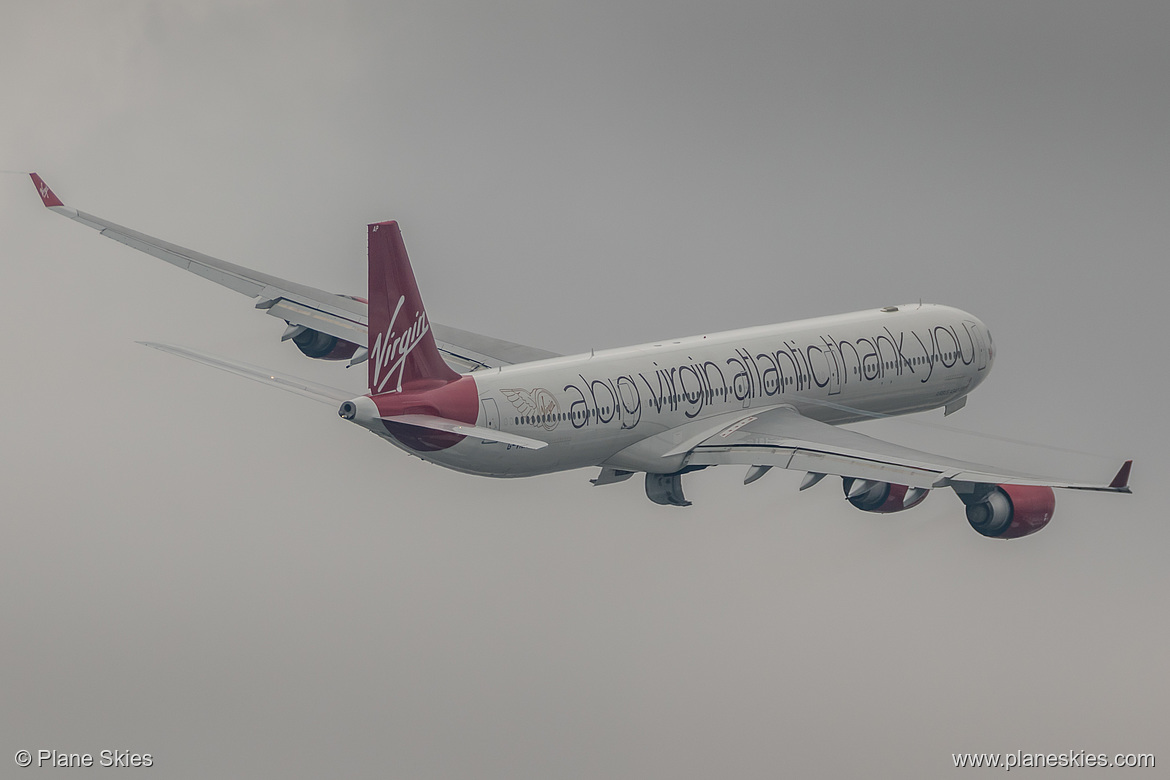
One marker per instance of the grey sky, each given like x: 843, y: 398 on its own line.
x: 232, y: 579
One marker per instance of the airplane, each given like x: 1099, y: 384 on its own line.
x: 763, y: 397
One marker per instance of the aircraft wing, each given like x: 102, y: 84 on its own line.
x: 338, y: 315
x: 783, y: 437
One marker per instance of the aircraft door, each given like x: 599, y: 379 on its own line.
x: 491, y: 414
x: 824, y: 366
x: 980, y: 343
x: 834, y: 373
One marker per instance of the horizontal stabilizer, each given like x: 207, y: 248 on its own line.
x: 434, y: 423
x: 292, y: 384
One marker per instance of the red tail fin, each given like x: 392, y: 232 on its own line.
x: 402, y: 348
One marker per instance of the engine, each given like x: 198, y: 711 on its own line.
x: 1011, y: 511
x: 322, y: 346
x: 318, y: 345
x: 882, y: 497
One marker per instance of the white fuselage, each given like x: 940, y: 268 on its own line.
x: 631, y: 408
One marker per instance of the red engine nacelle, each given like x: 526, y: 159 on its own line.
x: 881, y: 497
x: 1012, y: 511
x: 322, y: 346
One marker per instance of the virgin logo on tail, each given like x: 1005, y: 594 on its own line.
x: 390, y: 351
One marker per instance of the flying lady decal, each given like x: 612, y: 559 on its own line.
x: 537, y: 407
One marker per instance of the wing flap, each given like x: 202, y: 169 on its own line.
x: 807, y: 457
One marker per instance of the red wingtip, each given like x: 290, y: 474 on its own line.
x: 46, y: 194
x: 1122, y: 478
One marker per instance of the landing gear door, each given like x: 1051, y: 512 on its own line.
x: 491, y: 414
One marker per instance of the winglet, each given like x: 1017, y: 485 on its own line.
x: 1121, y: 481
x: 50, y: 200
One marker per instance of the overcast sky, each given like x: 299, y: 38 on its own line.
x: 234, y: 580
